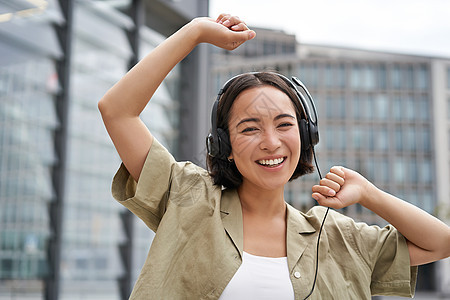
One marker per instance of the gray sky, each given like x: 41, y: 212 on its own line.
x: 407, y: 26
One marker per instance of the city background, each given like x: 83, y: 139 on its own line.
x: 62, y: 236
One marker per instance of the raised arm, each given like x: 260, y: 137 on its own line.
x: 123, y: 103
x: 428, y: 238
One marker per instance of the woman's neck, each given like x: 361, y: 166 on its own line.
x: 255, y: 200
x: 264, y: 220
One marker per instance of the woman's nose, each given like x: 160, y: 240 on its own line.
x: 270, y: 141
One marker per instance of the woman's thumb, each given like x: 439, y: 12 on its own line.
x: 251, y: 34
x: 244, y: 36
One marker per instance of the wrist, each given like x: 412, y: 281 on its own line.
x: 192, y: 33
x: 370, y: 195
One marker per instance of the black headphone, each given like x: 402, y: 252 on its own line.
x: 218, y: 141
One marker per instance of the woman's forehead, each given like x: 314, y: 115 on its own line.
x: 262, y: 102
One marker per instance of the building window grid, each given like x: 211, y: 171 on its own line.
x: 416, y: 104
x: 24, y: 223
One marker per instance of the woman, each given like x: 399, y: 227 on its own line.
x: 229, y: 234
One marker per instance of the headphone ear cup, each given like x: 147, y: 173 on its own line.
x: 212, y: 145
x: 304, y: 135
x: 224, y: 143
x: 313, y: 134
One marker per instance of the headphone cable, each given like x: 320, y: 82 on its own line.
x: 320, y: 232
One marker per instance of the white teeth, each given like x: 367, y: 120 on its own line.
x: 271, y: 162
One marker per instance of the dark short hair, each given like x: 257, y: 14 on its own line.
x: 224, y: 172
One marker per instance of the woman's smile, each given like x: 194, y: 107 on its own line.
x: 272, y: 163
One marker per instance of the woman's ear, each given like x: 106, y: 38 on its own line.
x: 230, y: 158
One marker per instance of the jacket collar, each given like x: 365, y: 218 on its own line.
x: 299, y: 236
x: 231, y: 213
x: 299, y: 230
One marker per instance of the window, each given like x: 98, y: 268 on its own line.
x: 423, y: 138
x: 423, y: 111
x: 409, y: 108
x: 408, y: 77
x: 409, y: 138
x: 341, y: 77
x: 397, y: 110
x: 422, y: 78
x: 371, y: 138
x: 369, y: 77
x: 356, y: 77
x: 382, y: 139
x: 399, y: 170
x: 398, y: 139
x: 381, y: 74
x: 413, y: 171
x: 309, y: 74
x: 427, y: 201
x: 329, y: 76
x: 356, y: 107
x: 335, y: 107
x: 357, y: 137
x: 370, y: 169
x: 426, y: 171
x: 382, y: 170
x: 382, y: 106
x: 395, y: 77
x: 335, y: 138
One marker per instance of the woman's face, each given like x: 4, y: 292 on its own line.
x: 264, y: 136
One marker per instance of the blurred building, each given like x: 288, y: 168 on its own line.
x: 386, y: 115
x: 61, y: 234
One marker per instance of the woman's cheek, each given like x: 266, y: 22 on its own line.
x: 243, y: 143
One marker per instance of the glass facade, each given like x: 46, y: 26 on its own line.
x: 92, y: 229
x: 92, y: 226
x: 28, y: 120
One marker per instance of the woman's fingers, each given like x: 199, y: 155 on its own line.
x: 232, y: 22
x: 333, y: 180
x: 222, y: 17
x: 332, y: 202
x: 331, y: 184
x: 239, y: 27
x: 338, y: 171
x: 324, y: 190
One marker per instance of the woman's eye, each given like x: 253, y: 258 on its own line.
x: 285, y: 125
x: 249, y: 129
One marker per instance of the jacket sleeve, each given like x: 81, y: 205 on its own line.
x: 385, y: 252
x: 161, y: 178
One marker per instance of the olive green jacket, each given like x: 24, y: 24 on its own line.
x: 199, y: 240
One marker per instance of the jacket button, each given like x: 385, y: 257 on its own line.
x: 297, y: 275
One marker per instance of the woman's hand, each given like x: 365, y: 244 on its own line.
x: 340, y: 188
x: 227, y: 32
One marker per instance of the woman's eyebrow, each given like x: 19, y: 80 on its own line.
x: 248, y: 120
x: 280, y: 116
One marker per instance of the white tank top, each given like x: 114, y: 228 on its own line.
x: 260, y: 277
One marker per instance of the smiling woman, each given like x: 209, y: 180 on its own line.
x: 227, y: 233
